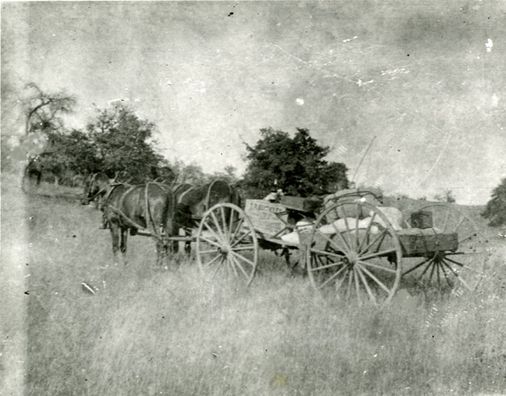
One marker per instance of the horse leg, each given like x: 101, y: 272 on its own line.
x: 123, y: 246
x: 115, y: 235
x: 188, y: 243
x: 159, y: 252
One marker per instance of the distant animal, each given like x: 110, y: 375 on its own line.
x: 141, y: 207
x: 33, y: 170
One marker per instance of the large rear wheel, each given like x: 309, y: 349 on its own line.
x: 353, y: 253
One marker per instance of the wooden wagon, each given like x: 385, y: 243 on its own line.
x: 349, y: 247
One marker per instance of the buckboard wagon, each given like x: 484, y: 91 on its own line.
x: 350, y: 247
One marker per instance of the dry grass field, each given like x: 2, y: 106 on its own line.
x: 152, y: 331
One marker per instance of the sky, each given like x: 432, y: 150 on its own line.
x: 424, y: 82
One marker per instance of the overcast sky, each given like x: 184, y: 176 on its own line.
x: 428, y: 80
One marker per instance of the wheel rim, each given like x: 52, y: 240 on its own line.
x: 227, y: 244
x: 460, y: 271
x: 361, y: 261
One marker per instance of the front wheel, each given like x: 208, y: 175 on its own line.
x: 227, y: 243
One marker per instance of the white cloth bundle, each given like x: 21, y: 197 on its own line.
x: 393, y: 215
x: 302, y: 226
x: 340, y: 225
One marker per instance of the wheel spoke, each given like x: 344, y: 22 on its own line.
x: 348, y: 233
x: 463, y: 266
x: 366, y: 285
x: 240, y: 267
x: 345, y: 243
x: 357, y: 287
x: 212, y: 261
x: 218, y: 267
x: 359, y: 209
x: 366, y: 233
x: 457, y: 276
x: 467, y: 238
x: 331, y: 278
x: 371, y: 275
x: 243, y: 258
x: 459, y: 223
x: 376, y: 239
x: 210, y: 242
x: 327, y: 253
x: 325, y: 266
x: 340, y: 282
x: 218, y: 226
x: 350, y: 282
x: 214, y: 234
x: 240, y: 239
x: 392, y: 271
x: 208, y: 251
x: 237, y: 229
x: 426, y: 268
x: 330, y: 241
x: 446, y: 276
x: 382, y: 253
x: 245, y: 247
x: 231, y: 222
x: 225, y: 228
x: 416, y: 266
x: 447, y: 217
x: 433, y: 267
x: 230, y: 261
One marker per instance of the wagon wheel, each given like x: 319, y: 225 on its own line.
x: 353, y: 252
x: 227, y: 243
x: 460, y: 270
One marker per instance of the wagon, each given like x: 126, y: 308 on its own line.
x: 349, y: 247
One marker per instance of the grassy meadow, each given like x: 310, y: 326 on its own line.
x: 156, y: 331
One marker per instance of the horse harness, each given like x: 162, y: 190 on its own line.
x: 147, y: 208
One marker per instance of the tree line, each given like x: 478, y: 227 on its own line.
x: 119, y: 142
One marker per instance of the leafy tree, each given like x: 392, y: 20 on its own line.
x: 124, y: 143
x: 43, y: 110
x: 295, y: 165
x: 495, y: 211
x: 446, y: 196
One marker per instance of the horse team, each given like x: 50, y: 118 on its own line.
x: 162, y: 211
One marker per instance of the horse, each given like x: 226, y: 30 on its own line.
x: 140, y: 207
x: 193, y: 202
x: 95, y: 188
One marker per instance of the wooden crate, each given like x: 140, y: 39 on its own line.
x: 414, y: 241
x: 267, y: 217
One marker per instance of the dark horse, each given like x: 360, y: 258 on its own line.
x: 96, y: 186
x: 145, y: 207
x: 193, y: 201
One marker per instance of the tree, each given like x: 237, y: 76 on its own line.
x: 295, y: 165
x: 495, y: 211
x: 124, y: 143
x: 43, y: 110
x: 446, y: 196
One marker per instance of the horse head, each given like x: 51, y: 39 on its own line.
x: 95, y: 187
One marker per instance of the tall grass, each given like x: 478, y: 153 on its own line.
x: 150, y: 331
